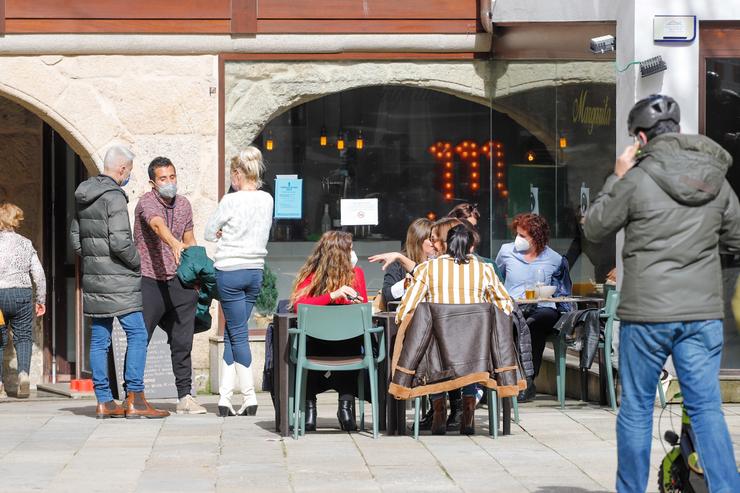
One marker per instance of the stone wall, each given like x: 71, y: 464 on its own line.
x: 20, y: 183
x: 157, y: 105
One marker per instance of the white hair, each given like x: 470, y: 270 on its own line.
x: 117, y: 155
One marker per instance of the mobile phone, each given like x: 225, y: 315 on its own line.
x: 354, y: 298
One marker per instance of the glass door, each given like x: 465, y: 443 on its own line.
x: 64, y: 342
x: 722, y: 124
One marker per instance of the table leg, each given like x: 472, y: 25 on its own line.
x: 276, y: 368
x: 506, y: 408
x: 282, y: 359
x: 584, y: 384
x: 602, y: 378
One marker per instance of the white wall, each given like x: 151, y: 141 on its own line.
x: 681, y: 80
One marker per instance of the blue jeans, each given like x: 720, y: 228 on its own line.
x: 17, y: 307
x: 696, y: 348
x: 136, y: 342
x: 238, y: 290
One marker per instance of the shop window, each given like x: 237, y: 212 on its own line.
x: 563, y: 167
x: 722, y: 119
x: 419, y: 152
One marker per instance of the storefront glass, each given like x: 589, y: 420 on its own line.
x: 722, y: 105
x: 420, y: 152
x: 560, y: 171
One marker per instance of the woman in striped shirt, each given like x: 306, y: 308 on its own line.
x: 457, y: 277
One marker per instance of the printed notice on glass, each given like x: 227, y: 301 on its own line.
x: 359, y: 212
x: 288, y: 197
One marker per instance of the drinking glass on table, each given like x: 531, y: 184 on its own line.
x: 530, y: 292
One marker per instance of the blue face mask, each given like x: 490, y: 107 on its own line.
x: 125, y: 182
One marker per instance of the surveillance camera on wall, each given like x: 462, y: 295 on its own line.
x: 603, y: 44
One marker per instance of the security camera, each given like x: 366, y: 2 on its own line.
x: 603, y: 44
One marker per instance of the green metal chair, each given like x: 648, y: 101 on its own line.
x: 335, y: 323
x: 606, y: 345
x: 494, y: 405
x: 609, y: 313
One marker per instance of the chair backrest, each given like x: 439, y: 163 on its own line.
x: 335, y: 323
x: 612, y: 302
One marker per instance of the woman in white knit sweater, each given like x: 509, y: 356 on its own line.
x: 241, y: 226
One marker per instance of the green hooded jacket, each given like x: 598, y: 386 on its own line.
x: 678, y: 211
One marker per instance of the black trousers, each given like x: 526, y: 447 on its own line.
x: 171, y: 305
x: 344, y: 382
x: 540, y: 320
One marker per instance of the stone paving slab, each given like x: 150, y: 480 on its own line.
x: 58, y: 446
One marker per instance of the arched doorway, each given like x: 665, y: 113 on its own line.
x: 40, y: 173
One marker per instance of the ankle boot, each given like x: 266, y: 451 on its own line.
x: 439, y: 425
x: 346, y: 415
x: 226, y: 389
x: 467, y: 426
x: 136, y: 406
x: 529, y: 393
x: 310, y: 414
x: 425, y: 423
x: 453, y: 420
x: 110, y: 409
x: 246, y: 386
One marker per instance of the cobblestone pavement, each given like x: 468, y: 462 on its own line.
x: 57, y: 445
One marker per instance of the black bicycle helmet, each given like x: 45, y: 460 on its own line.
x: 646, y: 113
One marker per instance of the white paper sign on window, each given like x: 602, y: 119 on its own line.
x: 359, y: 212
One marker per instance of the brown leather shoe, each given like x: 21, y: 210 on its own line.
x: 136, y: 406
x: 110, y: 409
x: 467, y: 426
x: 439, y: 420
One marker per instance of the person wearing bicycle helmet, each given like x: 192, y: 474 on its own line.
x: 678, y: 212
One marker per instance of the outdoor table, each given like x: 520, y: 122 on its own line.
x: 392, y: 412
x: 585, y: 300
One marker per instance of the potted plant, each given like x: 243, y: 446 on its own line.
x: 267, y: 300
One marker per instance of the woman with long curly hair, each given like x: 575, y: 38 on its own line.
x: 521, y: 263
x: 330, y: 277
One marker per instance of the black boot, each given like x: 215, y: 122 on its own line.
x: 425, y: 423
x: 453, y: 420
x: 530, y: 393
x: 310, y: 414
x: 346, y: 415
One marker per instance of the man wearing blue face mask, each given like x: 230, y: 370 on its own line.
x: 163, y: 228
x: 111, y: 283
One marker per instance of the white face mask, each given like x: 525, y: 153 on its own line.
x: 353, y: 258
x: 520, y: 244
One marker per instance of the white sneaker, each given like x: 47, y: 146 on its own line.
x: 188, y: 405
x: 24, y: 385
x: 3, y: 395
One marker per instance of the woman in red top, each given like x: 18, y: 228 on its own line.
x: 330, y: 277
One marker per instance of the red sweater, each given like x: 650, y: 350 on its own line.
x: 325, y: 299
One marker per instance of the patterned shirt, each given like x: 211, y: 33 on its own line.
x: 157, y: 259
x: 443, y: 281
x: 19, y: 264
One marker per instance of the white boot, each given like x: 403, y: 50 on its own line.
x: 226, y: 389
x: 246, y: 385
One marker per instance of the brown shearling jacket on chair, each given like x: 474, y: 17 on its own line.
x: 442, y: 347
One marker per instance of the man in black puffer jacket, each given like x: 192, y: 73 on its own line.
x: 111, y: 283
x: 677, y: 210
